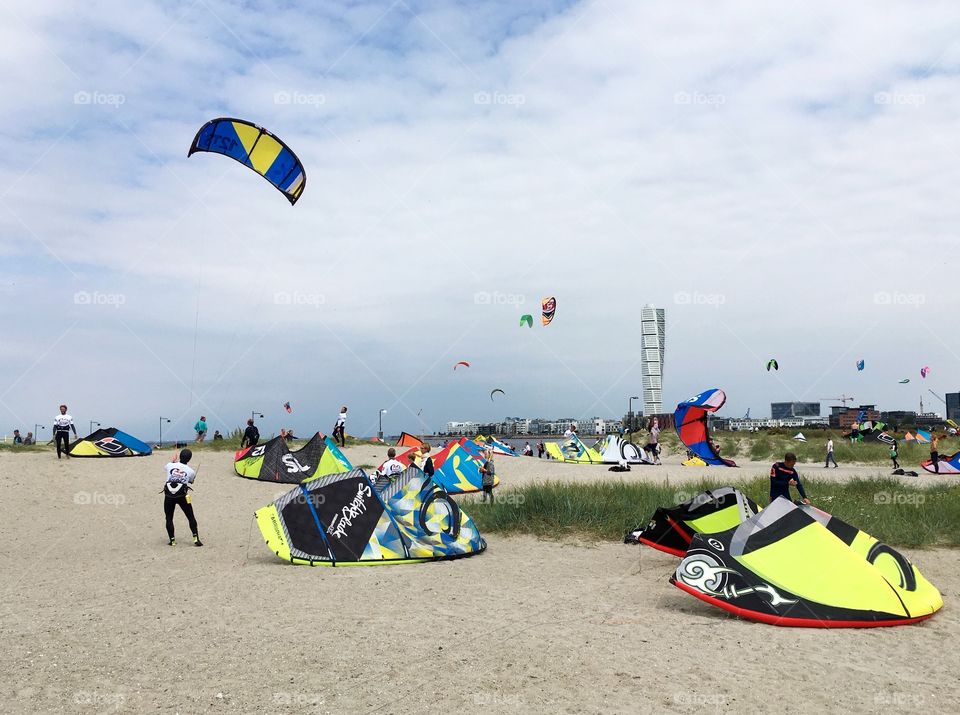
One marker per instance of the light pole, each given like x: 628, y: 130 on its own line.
x: 92, y: 423
x: 162, y: 420
x: 630, y: 411
x: 36, y: 433
x: 380, y: 432
x: 254, y: 414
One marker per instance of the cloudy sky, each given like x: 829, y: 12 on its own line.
x: 780, y: 179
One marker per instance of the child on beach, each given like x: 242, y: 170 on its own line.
x: 488, y: 471
x: 893, y: 455
x: 783, y: 476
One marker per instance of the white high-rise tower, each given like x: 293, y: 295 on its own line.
x: 653, y: 328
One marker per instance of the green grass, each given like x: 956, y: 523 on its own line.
x: 898, y: 514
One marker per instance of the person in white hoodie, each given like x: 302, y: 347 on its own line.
x: 62, y: 424
x: 176, y: 492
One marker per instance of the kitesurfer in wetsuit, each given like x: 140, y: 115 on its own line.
x: 62, y: 424
x: 340, y: 426
x: 176, y: 493
x: 783, y: 476
x: 251, y: 435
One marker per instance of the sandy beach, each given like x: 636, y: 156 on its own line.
x: 100, y: 615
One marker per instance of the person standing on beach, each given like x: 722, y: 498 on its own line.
x: 830, y: 457
x: 935, y: 452
x: 488, y: 474
x: 893, y: 455
x: 783, y: 476
x: 201, y: 428
x: 176, y: 492
x: 653, y: 443
x: 251, y: 435
x: 540, y: 449
x: 62, y: 424
x: 427, y: 465
x: 340, y: 426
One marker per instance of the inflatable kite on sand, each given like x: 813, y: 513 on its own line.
x: 273, y: 461
x: 345, y: 520
x: 109, y: 442
x: 690, y: 419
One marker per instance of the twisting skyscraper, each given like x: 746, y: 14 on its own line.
x: 653, y: 328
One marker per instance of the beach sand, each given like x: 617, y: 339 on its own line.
x: 100, y: 615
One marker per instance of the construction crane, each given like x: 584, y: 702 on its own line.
x: 937, y: 396
x: 843, y: 399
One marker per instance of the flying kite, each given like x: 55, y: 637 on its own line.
x: 905, y: 380
x: 924, y: 371
x: 549, y: 307
x: 462, y: 362
x: 528, y: 319
x: 860, y: 365
x: 255, y: 148
x: 287, y: 407
x: 495, y: 391
x: 772, y: 363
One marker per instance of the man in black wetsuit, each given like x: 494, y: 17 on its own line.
x: 62, y: 424
x: 783, y: 476
x: 251, y: 435
x: 176, y: 493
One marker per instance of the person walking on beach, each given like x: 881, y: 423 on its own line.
x: 830, y: 457
x: 783, y: 476
x: 935, y: 452
x: 893, y: 455
x: 251, y: 435
x: 541, y: 448
x: 176, y: 492
x: 652, y: 447
x: 488, y: 474
x: 340, y: 426
x: 62, y: 424
x: 201, y: 428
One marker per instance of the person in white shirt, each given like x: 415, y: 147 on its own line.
x: 176, y: 493
x: 340, y: 426
x: 830, y: 457
x: 392, y: 467
x: 62, y: 424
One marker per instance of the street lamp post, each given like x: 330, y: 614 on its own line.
x: 92, y: 423
x: 162, y: 420
x: 630, y: 412
x: 36, y: 432
x: 254, y: 414
x: 380, y: 431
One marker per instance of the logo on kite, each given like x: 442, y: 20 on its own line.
x: 492, y: 392
x: 528, y: 319
x: 462, y: 362
x: 860, y: 365
x: 287, y: 407
x: 905, y: 380
x: 772, y: 363
x: 549, y: 308
x: 255, y: 148
x: 924, y: 371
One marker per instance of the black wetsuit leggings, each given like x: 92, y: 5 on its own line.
x: 338, y: 435
x: 62, y: 436
x: 170, y: 505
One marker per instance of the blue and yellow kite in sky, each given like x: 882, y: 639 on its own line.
x: 255, y: 148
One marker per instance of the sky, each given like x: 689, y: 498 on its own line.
x: 780, y: 179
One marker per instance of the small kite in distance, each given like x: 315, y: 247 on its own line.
x: 905, y: 380
x: 462, y: 362
x: 492, y: 392
x: 860, y: 365
x: 549, y: 307
x: 772, y: 363
x: 526, y: 319
x: 287, y: 407
x: 924, y: 371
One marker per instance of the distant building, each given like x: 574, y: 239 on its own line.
x: 786, y: 410
x: 953, y: 406
x: 653, y: 333
x: 845, y: 417
x: 751, y: 424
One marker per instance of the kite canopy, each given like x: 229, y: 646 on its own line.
x: 109, y: 442
x: 614, y: 450
x: 408, y: 440
x: 772, y: 363
x: 690, y: 419
x: 671, y: 529
x: 924, y: 371
x: 496, y: 446
x: 462, y: 362
x: 526, y: 320
x: 946, y: 465
x: 287, y: 407
x: 798, y: 566
x: 860, y: 365
x: 922, y: 436
x: 273, y: 461
x: 255, y: 148
x: 573, y: 450
x: 457, y: 466
x: 905, y: 381
x: 799, y: 437
x: 343, y: 520
x: 549, y: 309
x: 494, y: 391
